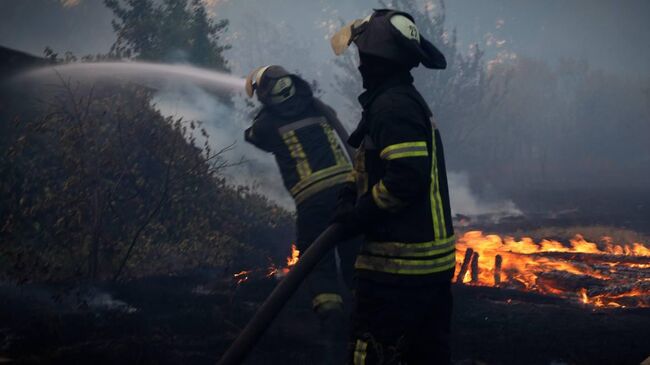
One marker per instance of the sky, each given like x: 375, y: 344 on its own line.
x: 613, y: 35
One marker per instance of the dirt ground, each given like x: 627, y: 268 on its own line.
x: 187, y: 320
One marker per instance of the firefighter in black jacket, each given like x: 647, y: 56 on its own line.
x: 400, y: 202
x: 305, y: 136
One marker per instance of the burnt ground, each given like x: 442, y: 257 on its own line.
x: 191, y: 319
x: 188, y: 320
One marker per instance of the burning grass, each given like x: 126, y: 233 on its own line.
x: 601, y: 274
x: 273, y: 271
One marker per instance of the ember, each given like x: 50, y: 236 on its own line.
x: 242, y: 276
x: 601, y: 275
x: 272, y: 270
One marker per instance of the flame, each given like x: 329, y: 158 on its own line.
x: 601, y: 275
x: 293, y: 259
x: 272, y: 270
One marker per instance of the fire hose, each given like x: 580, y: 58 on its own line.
x: 280, y: 295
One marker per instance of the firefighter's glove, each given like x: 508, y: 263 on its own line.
x: 357, y: 218
x: 347, y: 196
x: 248, y: 134
x: 346, y: 215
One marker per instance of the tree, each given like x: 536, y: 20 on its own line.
x: 168, y: 31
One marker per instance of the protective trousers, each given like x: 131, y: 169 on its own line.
x: 400, y: 324
x: 313, y: 218
x: 323, y: 283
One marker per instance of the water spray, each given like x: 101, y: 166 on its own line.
x: 149, y: 73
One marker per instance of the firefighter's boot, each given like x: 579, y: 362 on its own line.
x: 333, y: 331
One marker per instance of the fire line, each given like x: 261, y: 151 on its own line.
x: 600, y: 275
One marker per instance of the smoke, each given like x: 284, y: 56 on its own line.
x: 70, y: 3
x: 181, y: 95
x: 225, y: 125
x: 102, y: 301
x: 193, y: 94
x: 547, y: 131
x: 465, y: 202
x: 63, y: 300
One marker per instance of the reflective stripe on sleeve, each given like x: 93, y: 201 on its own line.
x: 383, y: 198
x: 406, y: 149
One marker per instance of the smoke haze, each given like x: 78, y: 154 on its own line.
x: 258, y: 169
x: 576, y: 112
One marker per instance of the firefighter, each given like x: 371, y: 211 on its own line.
x: 400, y: 202
x: 307, y: 140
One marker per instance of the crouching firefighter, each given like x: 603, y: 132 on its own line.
x: 306, y: 138
x: 400, y: 201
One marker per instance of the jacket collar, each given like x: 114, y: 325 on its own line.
x: 400, y: 78
x: 368, y: 96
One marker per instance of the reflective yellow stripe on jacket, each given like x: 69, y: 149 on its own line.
x: 326, y: 301
x: 298, y: 153
x: 311, y: 182
x: 408, y: 258
x: 437, y: 213
x: 383, y: 198
x: 320, y: 180
x: 360, y: 352
x: 406, y: 149
x: 339, y: 155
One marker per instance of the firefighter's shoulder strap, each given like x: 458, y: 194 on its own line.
x: 333, y: 120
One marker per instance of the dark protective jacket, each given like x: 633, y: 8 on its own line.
x: 303, y: 135
x: 401, y: 184
x: 300, y: 134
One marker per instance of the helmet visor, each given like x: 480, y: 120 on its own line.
x: 342, y: 39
